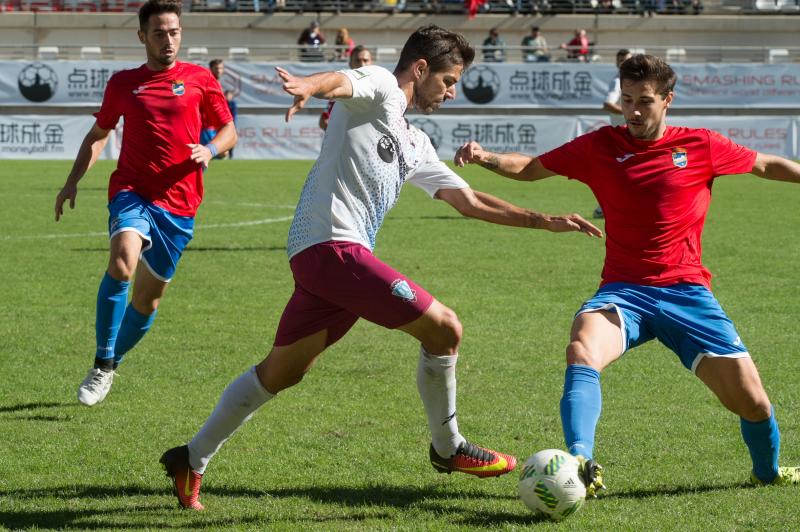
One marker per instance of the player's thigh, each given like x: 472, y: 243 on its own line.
x: 438, y: 329
x: 147, y: 290
x: 285, y: 365
x: 596, y: 339
x: 737, y: 384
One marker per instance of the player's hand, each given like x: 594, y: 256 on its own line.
x: 571, y: 222
x: 300, y: 88
x: 200, y: 154
x: 69, y: 192
x: 470, y: 152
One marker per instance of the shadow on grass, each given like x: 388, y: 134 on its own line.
x: 31, y: 406
x: 435, y: 500
x: 677, y: 490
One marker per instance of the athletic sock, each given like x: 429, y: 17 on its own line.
x: 238, y: 403
x: 580, y: 408
x: 133, y: 328
x: 763, y: 440
x: 436, y: 382
x: 111, y: 299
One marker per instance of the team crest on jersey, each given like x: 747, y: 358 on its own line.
x: 401, y: 289
x: 679, y: 157
x: 178, y: 88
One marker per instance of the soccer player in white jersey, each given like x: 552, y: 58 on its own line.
x: 368, y: 152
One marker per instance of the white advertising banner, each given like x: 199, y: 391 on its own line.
x: 496, y: 85
x: 769, y: 134
x: 38, y: 137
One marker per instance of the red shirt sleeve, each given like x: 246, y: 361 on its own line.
x: 727, y: 157
x: 110, y: 110
x: 215, y: 110
x: 571, y: 159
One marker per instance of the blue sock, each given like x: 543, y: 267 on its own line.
x: 763, y: 440
x: 580, y: 408
x: 111, y: 300
x: 133, y: 328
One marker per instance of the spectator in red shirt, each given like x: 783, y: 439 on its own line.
x: 157, y: 186
x: 577, y: 48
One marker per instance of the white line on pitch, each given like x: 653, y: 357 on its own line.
x: 200, y: 227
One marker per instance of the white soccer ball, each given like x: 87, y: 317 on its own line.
x: 551, y: 485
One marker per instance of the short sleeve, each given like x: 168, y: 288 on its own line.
x: 215, y: 105
x: 727, y: 157
x: 370, y: 83
x: 110, y: 110
x: 433, y: 175
x: 571, y: 159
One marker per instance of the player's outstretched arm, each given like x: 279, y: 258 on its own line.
x: 512, y: 165
x: 325, y: 85
x: 776, y: 168
x: 90, y: 150
x: 482, y: 206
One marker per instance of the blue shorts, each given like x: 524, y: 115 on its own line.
x: 166, y: 234
x: 687, y: 318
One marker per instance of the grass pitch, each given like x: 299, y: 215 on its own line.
x: 347, y: 448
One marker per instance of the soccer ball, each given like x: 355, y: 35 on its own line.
x: 550, y: 484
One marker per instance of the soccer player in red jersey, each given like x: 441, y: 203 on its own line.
x: 157, y: 186
x: 653, y: 183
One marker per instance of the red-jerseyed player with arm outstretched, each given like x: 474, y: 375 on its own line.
x: 653, y: 183
x: 157, y: 186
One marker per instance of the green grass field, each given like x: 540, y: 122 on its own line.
x: 347, y: 448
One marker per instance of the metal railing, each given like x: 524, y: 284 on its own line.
x: 388, y: 54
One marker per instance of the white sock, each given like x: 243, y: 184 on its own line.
x: 436, y: 382
x: 237, y: 404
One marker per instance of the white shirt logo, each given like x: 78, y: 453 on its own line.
x: 625, y: 157
x: 140, y: 89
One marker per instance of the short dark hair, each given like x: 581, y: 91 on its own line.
x: 157, y: 7
x: 214, y: 62
x: 622, y: 52
x: 534, y: 28
x: 441, y: 48
x: 641, y: 67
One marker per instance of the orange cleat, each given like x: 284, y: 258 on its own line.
x: 474, y: 460
x: 185, y: 482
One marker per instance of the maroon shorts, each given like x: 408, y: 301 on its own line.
x: 335, y: 283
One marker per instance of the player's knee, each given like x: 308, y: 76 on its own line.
x: 580, y: 353
x: 756, y: 408
x: 145, y: 305
x: 121, y: 269
x: 448, y: 334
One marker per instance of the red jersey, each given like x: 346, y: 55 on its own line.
x: 654, y: 196
x: 162, y: 112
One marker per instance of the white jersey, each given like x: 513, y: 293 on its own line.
x: 368, y: 152
x: 615, y: 96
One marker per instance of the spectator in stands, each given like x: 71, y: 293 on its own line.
x: 344, y: 45
x: 494, y: 48
x: 233, y: 107
x: 361, y: 56
x: 312, y: 39
x: 577, y: 48
x: 207, y: 134
x: 697, y: 7
x: 612, y: 104
x: 535, y: 47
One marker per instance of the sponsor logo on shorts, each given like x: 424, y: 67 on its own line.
x: 737, y: 341
x: 401, y: 289
x: 679, y: 157
x: 115, y: 224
